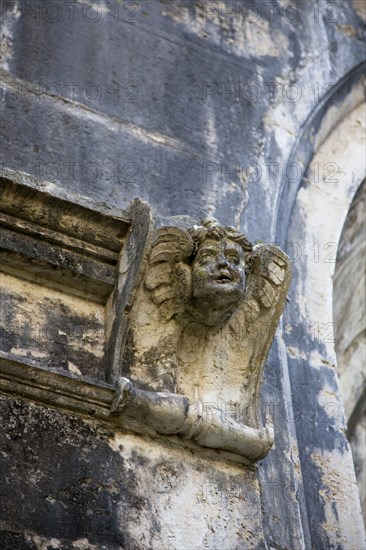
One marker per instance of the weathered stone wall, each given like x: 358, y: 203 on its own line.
x: 350, y: 320
x: 200, y: 108
x: 165, y: 124
x: 310, y: 332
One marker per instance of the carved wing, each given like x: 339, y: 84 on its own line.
x: 267, y: 282
x: 169, y: 277
x: 265, y: 296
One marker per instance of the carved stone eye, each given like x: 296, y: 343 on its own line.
x: 207, y: 256
x: 234, y: 258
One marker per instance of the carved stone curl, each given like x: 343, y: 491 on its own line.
x: 199, y: 334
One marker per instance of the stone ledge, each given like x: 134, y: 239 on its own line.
x: 89, y: 398
x: 26, y: 379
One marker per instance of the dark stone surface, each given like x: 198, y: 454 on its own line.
x: 166, y: 142
x: 151, y: 132
x: 59, y: 479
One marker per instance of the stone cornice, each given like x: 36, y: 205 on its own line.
x: 46, y: 386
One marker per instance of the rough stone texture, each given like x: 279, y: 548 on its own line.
x: 350, y: 319
x: 168, y: 130
x: 66, y: 483
x: 316, y: 224
x: 73, y: 480
x: 62, y: 324
x: 59, y: 270
x: 166, y: 127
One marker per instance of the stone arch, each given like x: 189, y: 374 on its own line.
x: 311, y: 217
x: 349, y: 312
x: 335, y: 106
x: 319, y: 213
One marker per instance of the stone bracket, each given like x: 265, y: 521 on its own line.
x: 85, y: 290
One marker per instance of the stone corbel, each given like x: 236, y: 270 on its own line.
x: 163, y: 331
x: 198, y: 336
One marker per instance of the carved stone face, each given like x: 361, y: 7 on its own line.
x: 218, y: 275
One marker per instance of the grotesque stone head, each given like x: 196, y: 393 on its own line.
x: 218, y: 271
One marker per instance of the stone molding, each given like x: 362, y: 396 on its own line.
x: 121, y: 305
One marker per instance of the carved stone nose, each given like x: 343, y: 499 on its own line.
x: 222, y: 261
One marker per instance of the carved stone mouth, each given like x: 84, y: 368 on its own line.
x: 223, y: 278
